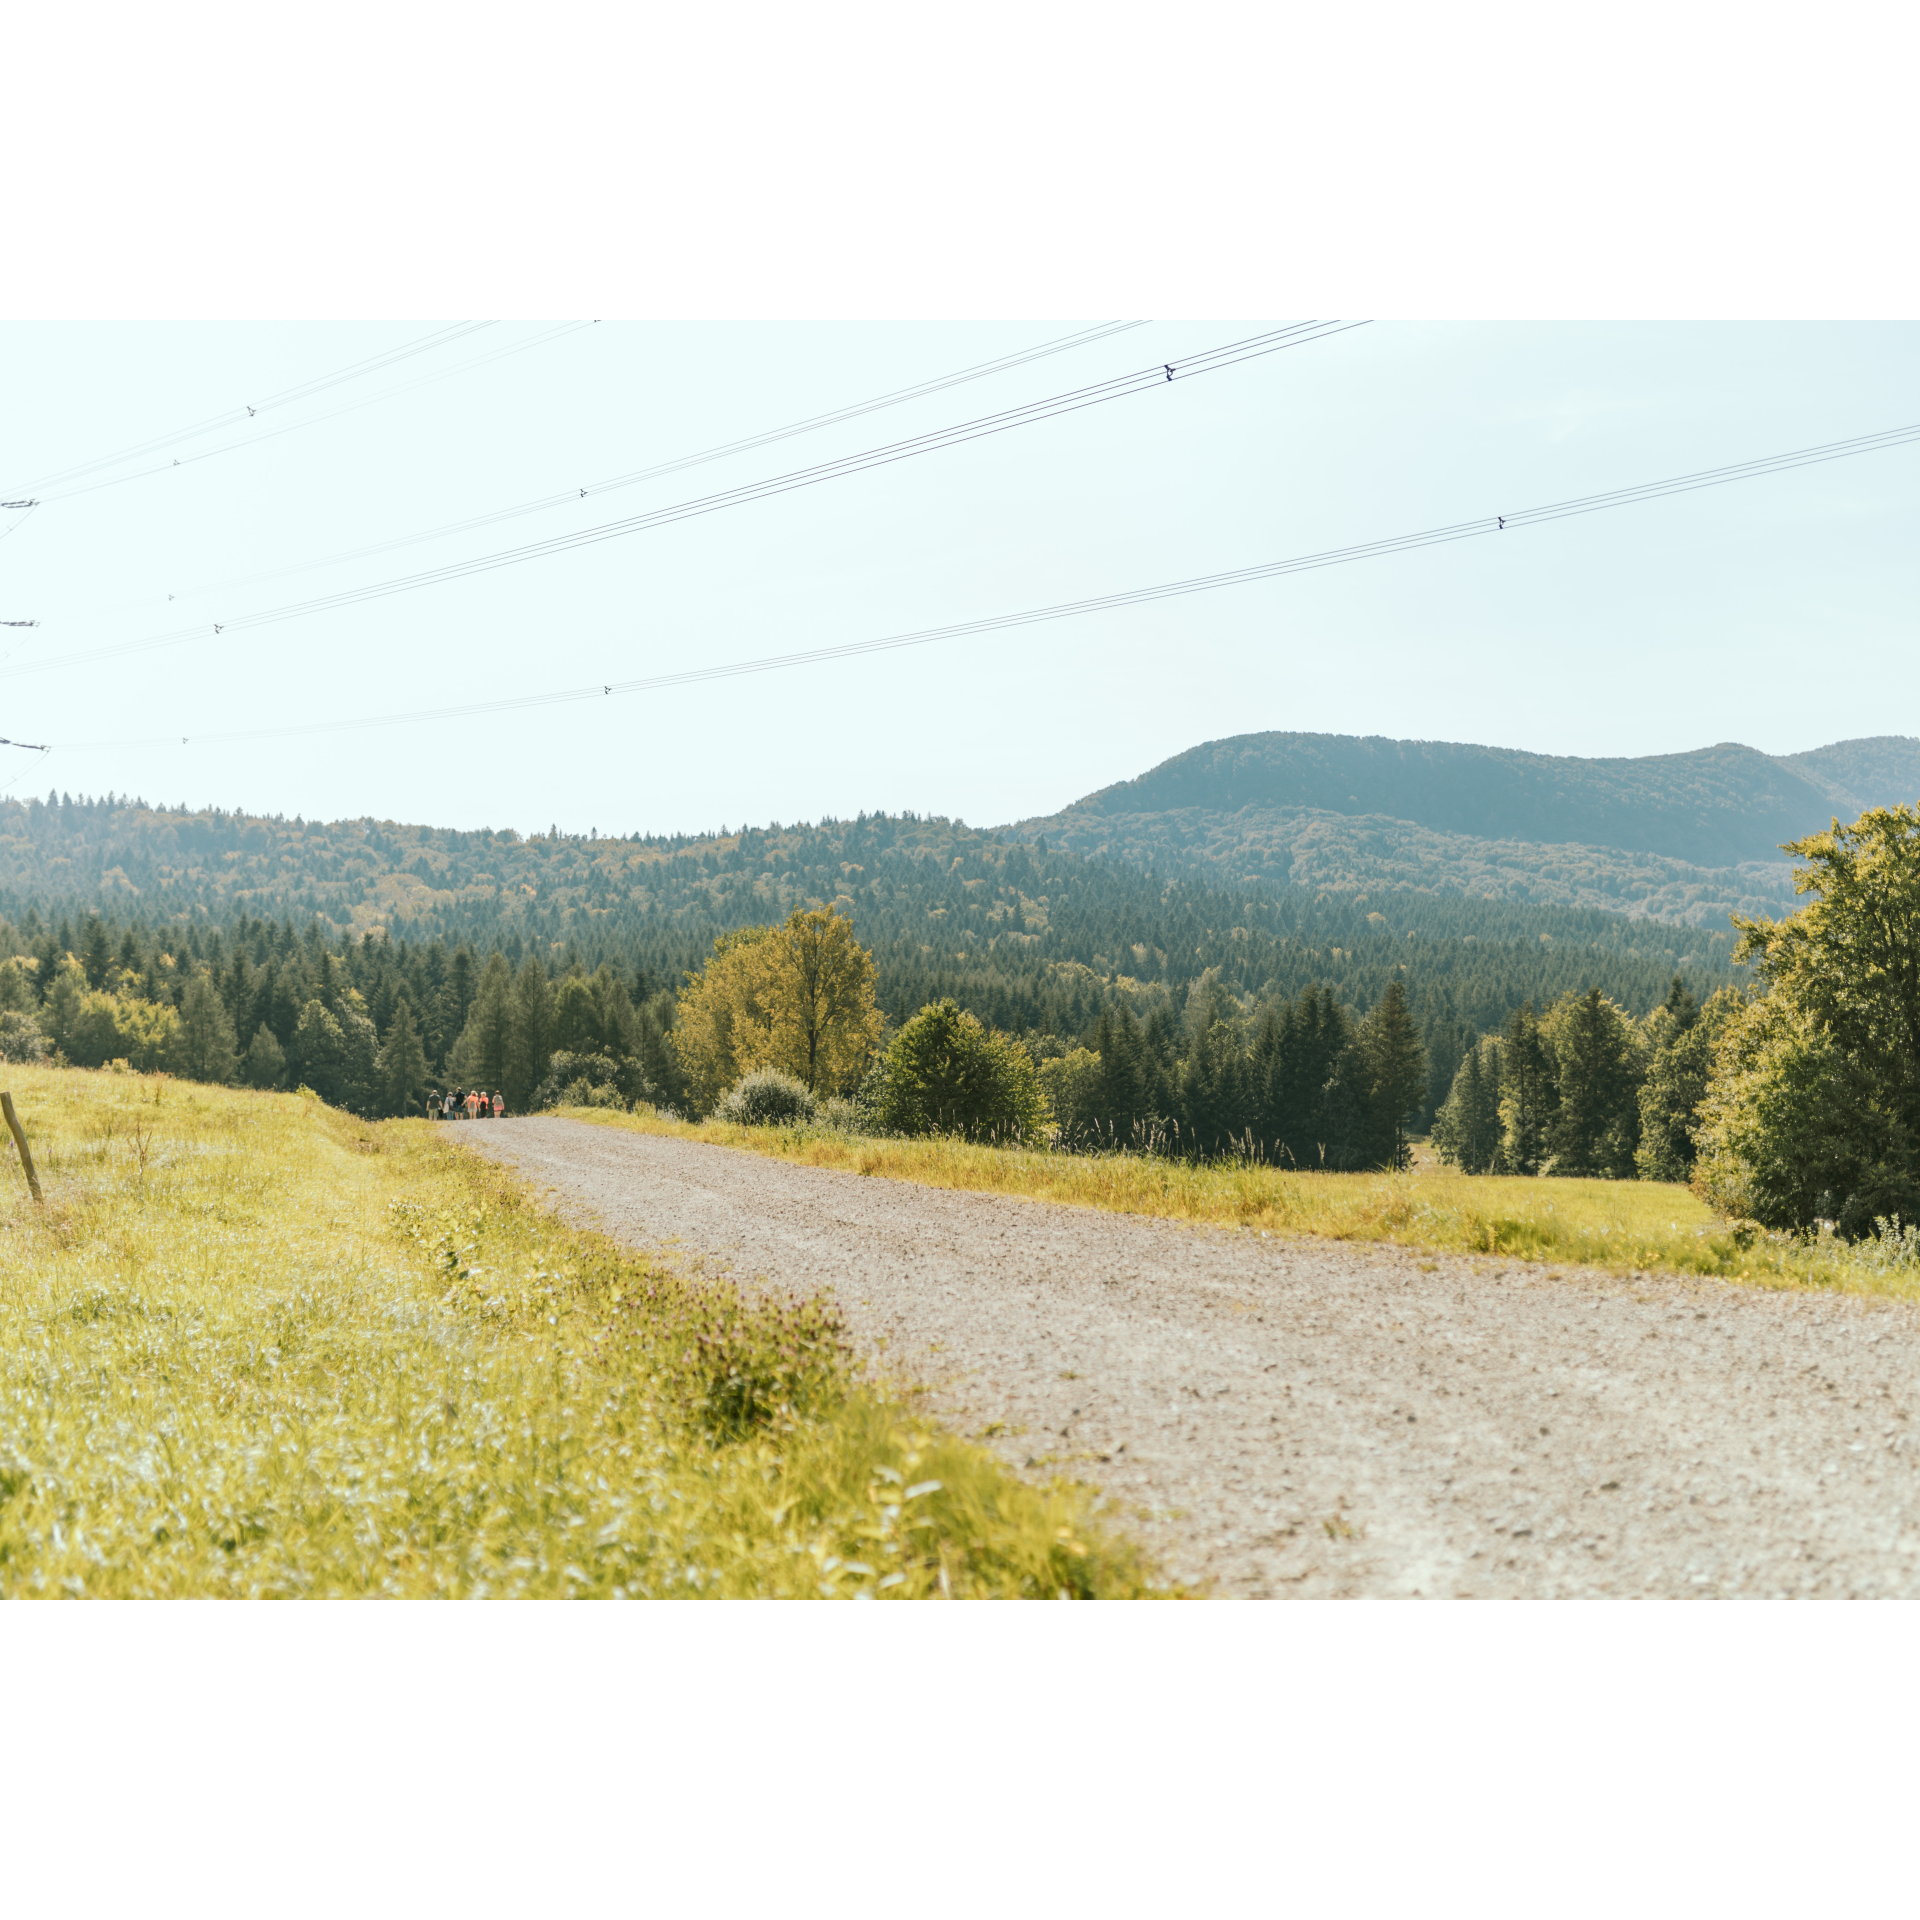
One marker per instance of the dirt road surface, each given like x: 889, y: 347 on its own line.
x: 1301, y: 1417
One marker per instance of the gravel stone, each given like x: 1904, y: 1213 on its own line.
x: 1299, y: 1417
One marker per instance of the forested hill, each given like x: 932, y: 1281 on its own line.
x: 1683, y: 837
x: 1025, y: 936
x: 1714, y: 807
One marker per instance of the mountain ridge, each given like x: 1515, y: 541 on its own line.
x: 1684, y: 837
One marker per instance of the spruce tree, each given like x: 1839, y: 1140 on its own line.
x: 266, y: 1063
x: 203, y: 1046
x: 97, y: 954
x: 402, y: 1073
x: 479, y: 1056
x: 1529, y: 1093
x: 1396, y: 1070
x: 530, y: 1034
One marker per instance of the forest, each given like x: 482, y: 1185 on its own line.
x: 1016, y: 990
x: 133, y: 904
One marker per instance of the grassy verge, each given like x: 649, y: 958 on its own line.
x: 251, y: 1346
x: 1624, y: 1225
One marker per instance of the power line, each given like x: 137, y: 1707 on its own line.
x: 572, y: 496
x: 332, y: 413
x: 1487, y: 524
x: 1214, y: 360
x: 306, y: 389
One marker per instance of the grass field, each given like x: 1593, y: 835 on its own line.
x: 251, y: 1346
x: 1623, y: 1225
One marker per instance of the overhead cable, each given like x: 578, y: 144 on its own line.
x: 331, y: 413
x: 1214, y: 360
x: 1494, y: 524
x: 572, y: 496
x: 285, y: 397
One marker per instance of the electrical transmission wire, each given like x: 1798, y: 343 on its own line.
x: 1214, y: 360
x: 1489, y: 524
x: 1494, y: 524
x: 573, y: 495
x: 285, y: 397
x: 332, y: 413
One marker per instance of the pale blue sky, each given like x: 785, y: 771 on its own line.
x: 1780, y: 612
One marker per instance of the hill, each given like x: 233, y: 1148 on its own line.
x: 1031, y: 938
x: 1684, y: 838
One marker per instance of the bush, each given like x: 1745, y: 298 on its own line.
x: 590, y: 1080
x: 21, y: 1041
x: 946, y: 1073
x: 768, y: 1098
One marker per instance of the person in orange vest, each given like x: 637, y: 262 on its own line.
x: 473, y: 1104
x: 499, y: 1105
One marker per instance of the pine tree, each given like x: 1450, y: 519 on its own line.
x: 529, y: 1034
x: 317, y: 1057
x: 479, y: 1056
x: 1466, y: 1130
x: 265, y: 1064
x: 1529, y: 1093
x: 203, y: 1046
x: 97, y: 956
x: 1596, y: 1125
x: 402, y: 1072
x: 1396, y: 1069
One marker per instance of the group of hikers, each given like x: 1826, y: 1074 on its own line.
x: 472, y: 1105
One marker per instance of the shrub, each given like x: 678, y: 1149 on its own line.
x: 946, y: 1073
x: 590, y: 1080
x: 768, y: 1098
x: 21, y: 1041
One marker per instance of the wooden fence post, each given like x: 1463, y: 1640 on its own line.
x: 20, y: 1141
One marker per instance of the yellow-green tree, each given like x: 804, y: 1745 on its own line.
x: 799, y: 997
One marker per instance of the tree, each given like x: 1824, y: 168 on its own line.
x: 1529, y: 1094
x: 1851, y: 957
x: 824, y: 1021
x: 1466, y: 1130
x: 1813, y: 1109
x: 946, y: 1073
x: 1396, y: 1069
x: 265, y: 1064
x: 1210, y: 1099
x: 402, y: 1068
x: 799, y: 997
x: 98, y: 955
x: 318, y: 1056
x: 1071, y: 1084
x: 479, y: 1056
x: 203, y: 1048
x: 1596, y: 1122
x: 1680, y: 1041
x: 529, y: 1034
x: 576, y: 1017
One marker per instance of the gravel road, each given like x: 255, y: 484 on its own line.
x: 1298, y: 1417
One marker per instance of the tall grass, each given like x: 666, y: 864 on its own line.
x: 251, y: 1346
x: 1623, y: 1225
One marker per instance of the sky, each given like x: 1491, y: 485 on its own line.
x: 1780, y: 611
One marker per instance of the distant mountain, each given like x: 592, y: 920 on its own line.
x: 1684, y: 837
